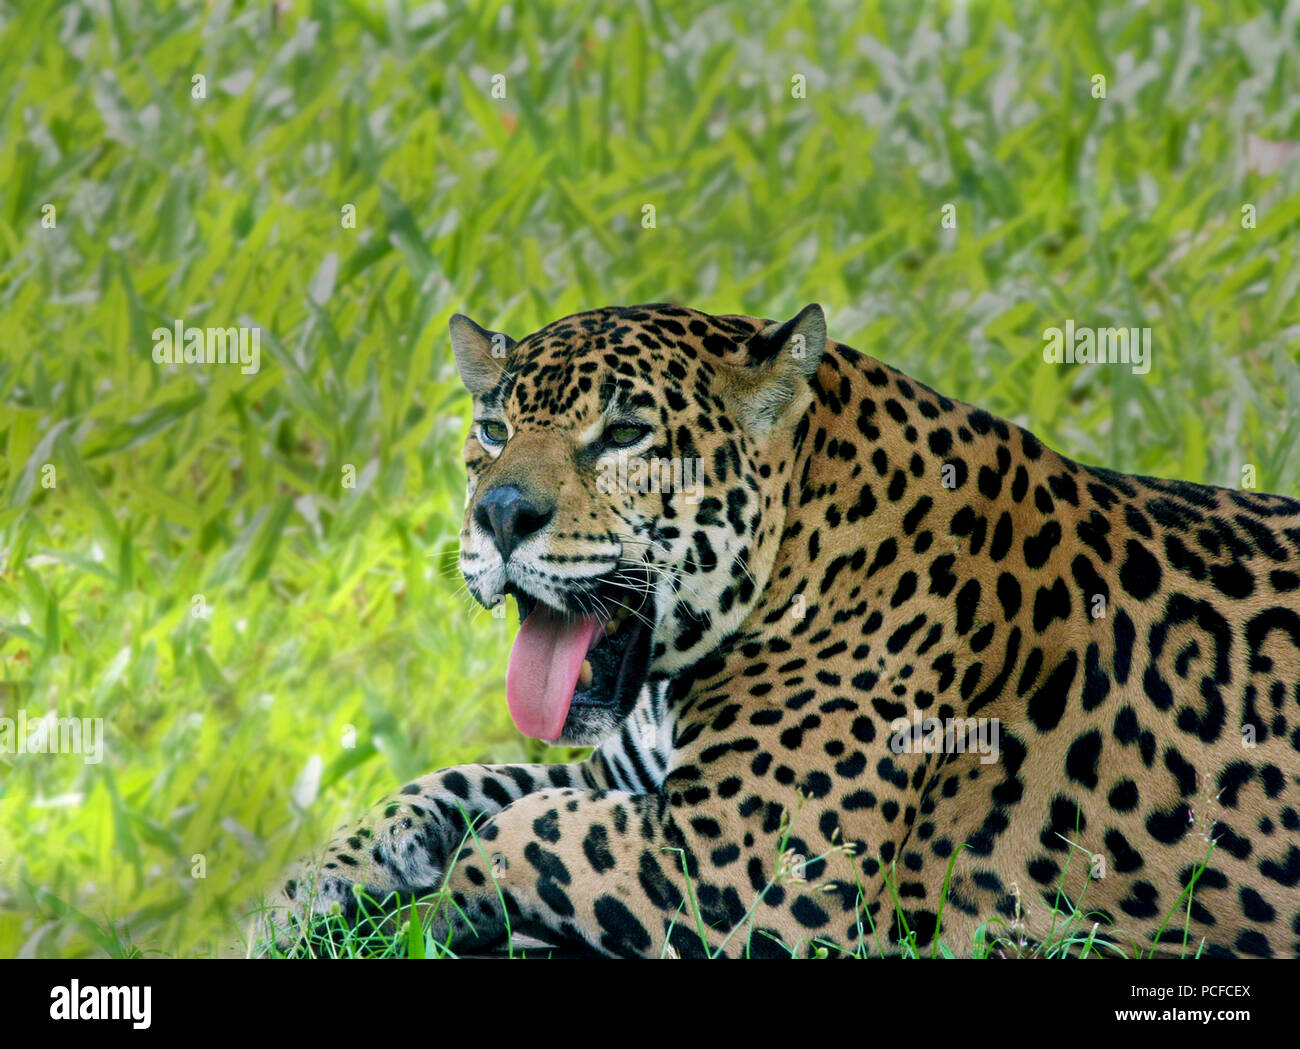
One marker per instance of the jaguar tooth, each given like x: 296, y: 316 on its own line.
x: 584, y: 673
x: 611, y: 626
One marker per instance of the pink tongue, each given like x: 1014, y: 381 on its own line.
x: 543, y: 671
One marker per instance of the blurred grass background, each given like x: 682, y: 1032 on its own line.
x: 337, y: 659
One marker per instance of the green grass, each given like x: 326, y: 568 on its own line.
x: 334, y: 617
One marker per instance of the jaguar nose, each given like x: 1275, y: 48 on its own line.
x: 510, y: 516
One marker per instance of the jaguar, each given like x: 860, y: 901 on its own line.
x: 886, y: 674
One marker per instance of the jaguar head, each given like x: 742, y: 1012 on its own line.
x: 626, y: 469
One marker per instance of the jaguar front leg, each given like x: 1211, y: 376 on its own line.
x: 636, y: 875
x: 404, y: 845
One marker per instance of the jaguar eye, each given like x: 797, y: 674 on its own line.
x: 492, y: 432
x: 620, y: 435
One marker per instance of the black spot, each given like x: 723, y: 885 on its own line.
x: 1182, y: 770
x: 1096, y: 685
x: 808, y: 913
x: 1123, y: 796
x: 1043, y: 870
x: 1225, y: 838
x: 1255, y: 907
x: 1140, y: 574
x: 990, y: 484
x: 595, y: 846
x: 1081, y: 761
x: 1066, y: 820
x: 547, y: 826
x: 1231, y: 780
x: 1284, y: 872
x: 1142, y: 902
x: 1047, y: 705
x: 1233, y: 580
x: 1168, y: 825
x: 1127, y: 859
x: 967, y: 604
x: 1051, y: 603
x: 1253, y: 942
x: 1125, y: 634
x: 623, y: 934
x: 1009, y: 595
x: 1039, y: 547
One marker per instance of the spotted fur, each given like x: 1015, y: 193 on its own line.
x: 1138, y: 641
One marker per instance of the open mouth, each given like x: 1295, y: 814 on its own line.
x: 564, y: 660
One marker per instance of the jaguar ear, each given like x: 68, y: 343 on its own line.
x: 480, y: 354
x: 780, y: 360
